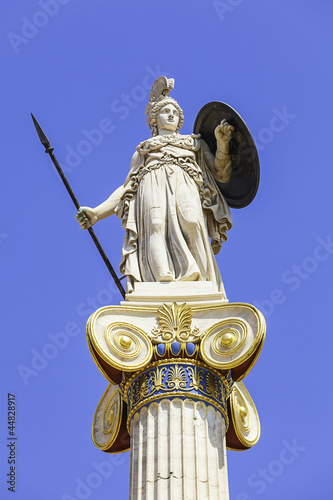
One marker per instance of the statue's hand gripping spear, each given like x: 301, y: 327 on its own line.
x: 48, y: 149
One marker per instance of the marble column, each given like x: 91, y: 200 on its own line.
x: 178, y: 452
x: 177, y: 419
x: 176, y: 397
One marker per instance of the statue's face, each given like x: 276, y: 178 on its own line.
x: 168, y: 118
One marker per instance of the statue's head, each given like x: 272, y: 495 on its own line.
x: 162, y: 110
x: 161, y: 113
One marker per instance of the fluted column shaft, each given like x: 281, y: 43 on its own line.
x: 178, y: 451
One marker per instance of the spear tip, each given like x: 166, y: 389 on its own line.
x: 43, y: 139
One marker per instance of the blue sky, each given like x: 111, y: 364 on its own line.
x: 82, y: 66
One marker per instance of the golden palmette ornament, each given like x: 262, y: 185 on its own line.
x: 175, y: 322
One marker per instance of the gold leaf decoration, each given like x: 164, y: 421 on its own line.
x: 175, y: 325
x: 143, y: 386
x: 196, y: 377
x: 176, y: 378
x: 157, y: 378
x: 175, y: 321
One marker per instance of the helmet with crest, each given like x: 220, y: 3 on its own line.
x: 158, y: 98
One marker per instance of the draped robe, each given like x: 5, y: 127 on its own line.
x: 170, y: 208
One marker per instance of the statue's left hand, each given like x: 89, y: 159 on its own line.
x: 223, y: 132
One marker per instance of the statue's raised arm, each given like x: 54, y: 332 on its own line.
x: 220, y: 164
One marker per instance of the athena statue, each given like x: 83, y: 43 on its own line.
x: 174, y: 215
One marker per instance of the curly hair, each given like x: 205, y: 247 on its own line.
x: 156, y: 108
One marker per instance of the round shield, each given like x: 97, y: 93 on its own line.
x: 242, y: 187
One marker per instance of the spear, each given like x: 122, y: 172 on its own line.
x: 48, y: 149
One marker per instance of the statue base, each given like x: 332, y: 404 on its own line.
x: 194, y: 293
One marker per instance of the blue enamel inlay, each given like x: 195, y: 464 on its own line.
x: 161, y: 349
x: 175, y: 348
x: 183, y: 379
x: 190, y: 348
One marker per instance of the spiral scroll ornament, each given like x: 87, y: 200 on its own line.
x: 123, y: 346
x: 244, y: 416
x: 230, y: 342
x: 129, y: 347
x: 107, y: 419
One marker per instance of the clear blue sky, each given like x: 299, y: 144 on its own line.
x: 74, y: 64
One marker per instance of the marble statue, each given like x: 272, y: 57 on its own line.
x: 174, y: 216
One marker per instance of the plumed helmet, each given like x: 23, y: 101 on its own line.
x: 158, y: 98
